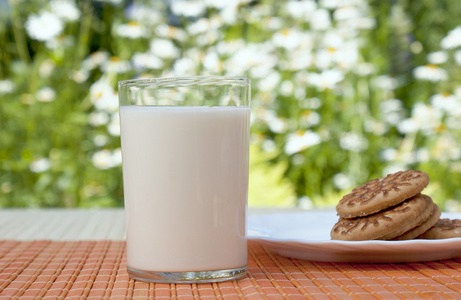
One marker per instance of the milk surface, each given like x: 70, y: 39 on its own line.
x: 185, y: 174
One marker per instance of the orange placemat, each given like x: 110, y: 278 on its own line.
x: 96, y: 270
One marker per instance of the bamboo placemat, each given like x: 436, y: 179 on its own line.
x: 96, y: 270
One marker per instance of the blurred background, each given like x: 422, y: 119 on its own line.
x: 343, y: 91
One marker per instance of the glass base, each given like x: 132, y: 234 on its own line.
x: 187, y: 277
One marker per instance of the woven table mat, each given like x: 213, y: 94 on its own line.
x: 96, y: 270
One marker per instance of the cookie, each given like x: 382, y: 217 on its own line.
x: 443, y: 229
x: 386, y: 224
x: 418, y: 230
x: 382, y: 193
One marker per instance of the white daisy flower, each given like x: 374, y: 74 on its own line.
x: 301, y: 140
x: 221, y: 4
x: 320, y: 19
x: 364, y: 69
x: 286, y: 88
x: 106, y: 159
x: 144, y: 14
x: 191, y: 8
x: 256, y: 58
x: 343, y: 181
x: 289, y: 39
x: 100, y: 140
x: 207, y: 38
x: 391, y: 111
x: 164, y: 48
x: 301, y: 9
x: 389, y: 154
x: 230, y: 47
x: 62, y: 41
x: 346, y: 13
x: 200, y: 26
x: 270, y: 82
x: 299, y: 59
x: 146, y: 60
x: 332, y: 4
x: 424, y: 118
x: 102, y: 159
x: 131, y: 30
x: 65, y: 9
x: 95, y: 59
x: 298, y: 159
x: 6, y: 86
x: 328, y: 79
x: 170, y: 32
x: 430, y: 72
x: 212, y: 62
x: 46, y: 68
x: 117, y: 157
x: 43, y: 27
x: 45, y: 94
x: 300, y: 93
x: 98, y: 118
x: 446, y: 148
x: 275, y: 124
x: 80, y: 76
x: 452, y: 40
x: 103, y: 96
x: 375, y: 126
x: 438, y: 57
x: 359, y: 23
x: 325, y: 58
x: 351, y: 141
x: 446, y: 102
x: 40, y: 165
x: 458, y: 92
x: 422, y: 155
x: 311, y: 103
x: 385, y: 82
x: 457, y: 56
x: 114, y: 126
x: 309, y: 118
x: 268, y: 145
x: 273, y: 23
x: 116, y: 65
x: 229, y: 13
x: 184, y: 66
x: 344, y: 57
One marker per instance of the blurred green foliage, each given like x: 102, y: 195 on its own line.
x: 342, y: 91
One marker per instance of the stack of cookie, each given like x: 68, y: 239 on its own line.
x: 390, y: 208
x: 443, y: 229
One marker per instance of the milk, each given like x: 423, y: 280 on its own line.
x: 185, y: 174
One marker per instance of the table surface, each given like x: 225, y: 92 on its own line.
x: 77, y: 224
x: 81, y: 254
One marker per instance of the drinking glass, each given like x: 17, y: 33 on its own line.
x: 185, y: 148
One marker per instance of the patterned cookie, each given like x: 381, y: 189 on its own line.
x: 443, y: 229
x: 418, y: 230
x: 382, y: 193
x: 388, y: 223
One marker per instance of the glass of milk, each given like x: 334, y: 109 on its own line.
x: 185, y: 147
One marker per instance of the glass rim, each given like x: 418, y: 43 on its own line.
x: 184, y: 81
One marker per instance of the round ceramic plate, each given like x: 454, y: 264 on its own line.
x: 306, y: 235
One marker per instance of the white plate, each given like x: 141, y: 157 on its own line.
x: 306, y: 235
